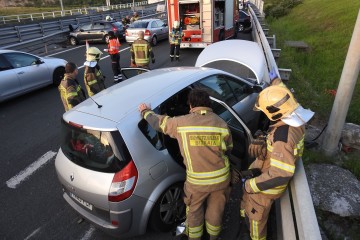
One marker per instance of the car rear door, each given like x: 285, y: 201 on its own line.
x: 98, y: 31
x: 31, y: 71
x: 9, y: 80
x: 84, y: 32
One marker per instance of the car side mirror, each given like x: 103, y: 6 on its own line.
x: 39, y: 61
x: 164, y: 25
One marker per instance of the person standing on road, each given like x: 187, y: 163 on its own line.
x: 276, y: 155
x: 135, y: 17
x: 70, y: 90
x: 205, y: 142
x: 93, y: 78
x: 113, y: 50
x: 141, y: 52
x: 175, y: 41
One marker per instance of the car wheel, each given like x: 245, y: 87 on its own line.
x: 58, y: 75
x: 241, y: 27
x: 106, y: 38
x: 73, y: 41
x: 168, y: 210
x: 154, y: 41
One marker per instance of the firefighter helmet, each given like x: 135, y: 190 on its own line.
x: 108, y: 18
x: 93, y: 54
x: 277, y: 102
x: 176, y: 24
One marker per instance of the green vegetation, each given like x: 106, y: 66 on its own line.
x: 352, y: 163
x: 327, y: 27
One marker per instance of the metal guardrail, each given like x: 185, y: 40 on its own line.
x: 55, y: 14
x: 14, y: 36
x: 296, y: 218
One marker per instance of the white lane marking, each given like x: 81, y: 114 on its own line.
x: 24, y: 174
x: 64, y: 51
x: 32, y: 234
x: 88, y: 234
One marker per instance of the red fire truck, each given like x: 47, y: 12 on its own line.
x: 203, y: 21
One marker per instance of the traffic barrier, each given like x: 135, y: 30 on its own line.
x: 296, y: 218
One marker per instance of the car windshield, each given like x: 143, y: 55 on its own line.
x: 93, y: 149
x: 139, y: 24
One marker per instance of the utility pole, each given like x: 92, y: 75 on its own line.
x: 62, y: 8
x: 344, y: 93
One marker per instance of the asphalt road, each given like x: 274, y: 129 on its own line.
x: 32, y: 206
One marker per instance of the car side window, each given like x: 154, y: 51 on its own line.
x: 218, y: 87
x: 154, y: 25
x: 18, y: 60
x: 160, y: 23
x: 4, y: 64
x: 98, y: 26
x: 86, y: 27
x: 240, y: 89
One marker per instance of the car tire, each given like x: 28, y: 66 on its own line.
x: 241, y: 27
x: 58, y: 75
x: 154, y: 41
x: 73, y: 41
x: 169, y: 209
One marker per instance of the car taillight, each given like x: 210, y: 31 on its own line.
x: 114, y: 29
x: 147, y: 33
x: 123, y: 183
x: 126, y: 33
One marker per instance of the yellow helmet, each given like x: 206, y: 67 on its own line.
x: 276, y: 102
x: 93, y: 54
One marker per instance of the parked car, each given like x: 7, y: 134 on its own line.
x: 121, y: 174
x: 22, y: 72
x: 98, y: 31
x: 154, y: 30
x: 244, y: 23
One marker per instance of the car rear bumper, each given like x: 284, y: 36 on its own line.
x: 132, y: 39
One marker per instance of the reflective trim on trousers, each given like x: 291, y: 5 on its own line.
x: 212, y: 230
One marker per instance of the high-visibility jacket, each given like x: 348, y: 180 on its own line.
x: 141, y: 52
x: 176, y: 36
x: 94, y: 80
x: 70, y: 92
x: 285, y: 145
x: 113, y: 46
x: 204, y: 140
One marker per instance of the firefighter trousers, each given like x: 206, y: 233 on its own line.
x: 200, y: 206
x: 115, y: 65
x: 174, y: 48
x: 255, y: 208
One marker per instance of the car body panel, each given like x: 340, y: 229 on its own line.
x: 225, y: 55
x: 26, y: 72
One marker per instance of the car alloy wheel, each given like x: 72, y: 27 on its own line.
x: 169, y: 210
x: 106, y: 38
x: 241, y: 27
x: 73, y: 41
x: 154, y: 41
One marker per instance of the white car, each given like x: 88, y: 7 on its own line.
x: 22, y: 72
x: 121, y: 174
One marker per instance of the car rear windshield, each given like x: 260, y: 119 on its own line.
x: 95, y: 150
x: 118, y: 25
x: 140, y: 24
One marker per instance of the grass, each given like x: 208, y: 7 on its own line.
x: 326, y: 26
x: 6, y: 11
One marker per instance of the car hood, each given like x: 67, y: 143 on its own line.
x: 239, y: 57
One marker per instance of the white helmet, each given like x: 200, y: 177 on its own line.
x: 108, y: 18
x: 176, y: 24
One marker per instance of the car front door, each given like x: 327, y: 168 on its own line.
x: 98, y: 31
x: 84, y: 33
x: 31, y: 71
x: 163, y: 30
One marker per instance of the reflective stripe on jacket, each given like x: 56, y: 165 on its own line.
x: 114, y: 46
x: 176, y: 36
x: 141, y: 52
x: 285, y: 145
x: 70, y: 92
x: 204, y: 140
x: 94, y: 80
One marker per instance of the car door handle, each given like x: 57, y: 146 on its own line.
x: 22, y: 72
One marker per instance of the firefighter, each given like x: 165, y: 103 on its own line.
x: 205, y: 143
x: 70, y: 90
x: 113, y: 50
x: 175, y: 41
x: 141, y: 52
x: 126, y: 20
x: 93, y: 77
x: 135, y: 17
x: 276, y: 155
x: 108, y: 18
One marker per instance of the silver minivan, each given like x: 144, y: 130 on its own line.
x: 121, y: 174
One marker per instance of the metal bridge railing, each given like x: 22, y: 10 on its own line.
x: 296, y: 218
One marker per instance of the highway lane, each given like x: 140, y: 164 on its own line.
x: 32, y: 206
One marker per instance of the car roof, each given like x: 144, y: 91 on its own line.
x: 241, y: 52
x: 123, y: 98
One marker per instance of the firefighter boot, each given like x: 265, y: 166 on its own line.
x: 171, y: 59
x: 177, y: 58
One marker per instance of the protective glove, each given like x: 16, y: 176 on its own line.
x: 153, y: 60
x: 273, y: 74
x: 257, y: 147
x: 250, y: 173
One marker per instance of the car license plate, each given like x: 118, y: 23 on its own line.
x: 82, y: 202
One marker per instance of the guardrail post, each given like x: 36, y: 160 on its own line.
x: 18, y: 33
x: 42, y: 28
